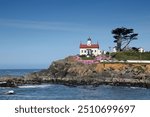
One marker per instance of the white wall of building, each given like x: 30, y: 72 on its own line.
x: 95, y: 51
x: 141, y: 50
x: 83, y: 52
x: 114, y: 49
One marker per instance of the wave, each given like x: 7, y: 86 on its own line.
x: 138, y: 88
x: 34, y: 86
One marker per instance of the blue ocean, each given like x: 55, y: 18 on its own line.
x: 61, y: 92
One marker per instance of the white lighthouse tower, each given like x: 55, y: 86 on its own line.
x: 89, y: 42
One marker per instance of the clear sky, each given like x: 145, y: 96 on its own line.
x: 33, y: 33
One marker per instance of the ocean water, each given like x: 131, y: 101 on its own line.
x: 16, y: 72
x: 61, y: 92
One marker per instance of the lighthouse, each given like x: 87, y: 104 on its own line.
x: 89, y: 41
x: 90, y: 49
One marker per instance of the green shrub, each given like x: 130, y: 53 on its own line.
x: 131, y: 55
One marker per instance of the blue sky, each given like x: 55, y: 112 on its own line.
x: 33, y: 33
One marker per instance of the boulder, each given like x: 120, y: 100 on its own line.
x: 8, y: 83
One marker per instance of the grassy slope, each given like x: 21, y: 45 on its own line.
x: 131, y: 55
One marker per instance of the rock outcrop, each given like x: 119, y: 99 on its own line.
x: 70, y: 72
x: 7, y: 82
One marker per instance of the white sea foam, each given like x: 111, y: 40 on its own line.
x: 137, y: 88
x: 34, y: 86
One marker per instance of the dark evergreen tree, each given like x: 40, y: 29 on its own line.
x: 123, y: 37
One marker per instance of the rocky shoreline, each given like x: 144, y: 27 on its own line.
x: 72, y: 73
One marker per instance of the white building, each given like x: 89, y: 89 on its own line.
x: 114, y: 49
x: 89, y: 49
x: 141, y: 50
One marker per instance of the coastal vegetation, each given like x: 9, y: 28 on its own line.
x: 84, y: 57
x: 119, y: 56
x: 131, y: 55
x: 123, y: 36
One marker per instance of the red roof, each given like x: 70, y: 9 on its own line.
x: 89, y: 46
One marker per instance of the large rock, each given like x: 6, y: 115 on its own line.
x: 64, y: 68
x: 8, y: 83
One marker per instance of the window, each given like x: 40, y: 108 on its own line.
x: 84, y: 51
x: 95, y: 50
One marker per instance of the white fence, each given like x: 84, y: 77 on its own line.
x: 138, y: 61
x: 127, y: 61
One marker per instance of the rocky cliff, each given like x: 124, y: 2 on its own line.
x: 70, y: 72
